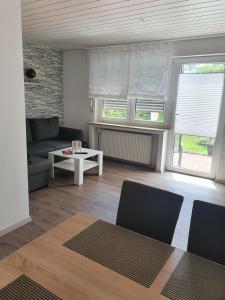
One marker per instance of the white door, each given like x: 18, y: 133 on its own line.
x: 194, y: 141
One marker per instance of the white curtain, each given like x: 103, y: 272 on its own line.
x: 198, y: 104
x: 128, y: 71
x: 109, y: 71
x: 149, y: 71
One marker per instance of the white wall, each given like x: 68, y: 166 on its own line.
x: 76, y: 101
x: 14, y: 205
x: 220, y: 171
x: 198, y: 46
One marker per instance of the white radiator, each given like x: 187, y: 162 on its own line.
x: 134, y: 147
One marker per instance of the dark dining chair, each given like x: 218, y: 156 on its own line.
x: 149, y: 211
x: 207, y: 231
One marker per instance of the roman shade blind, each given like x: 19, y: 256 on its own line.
x: 115, y: 104
x: 129, y: 71
x: 108, y: 72
x: 149, y: 71
x: 148, y: 105
x: 198, y: 104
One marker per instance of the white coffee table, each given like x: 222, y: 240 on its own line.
x: 77, y: 163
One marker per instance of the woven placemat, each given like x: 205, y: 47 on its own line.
x: 196, y: 278
x: 23, y: 288
x: 130, y: 254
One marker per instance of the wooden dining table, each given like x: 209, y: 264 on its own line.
x: 70, y: 275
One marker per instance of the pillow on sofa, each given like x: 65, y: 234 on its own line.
x: 44, y: 129
x: 28, y: 131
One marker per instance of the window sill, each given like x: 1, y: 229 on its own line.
x: 131, y: 127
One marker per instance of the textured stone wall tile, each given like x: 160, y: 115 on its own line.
x: 44, y: 97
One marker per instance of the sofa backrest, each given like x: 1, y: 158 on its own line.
x: 44, y: 129
x: 28, y: 130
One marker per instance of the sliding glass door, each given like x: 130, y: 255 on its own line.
x: 199, y: 94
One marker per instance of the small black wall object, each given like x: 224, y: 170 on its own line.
x: 30, y: 73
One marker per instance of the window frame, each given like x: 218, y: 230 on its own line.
x: 113, y: 120
x: 176, y: 63
x: 130, y: 120
x: 146, y: 122
x: 131, y: 114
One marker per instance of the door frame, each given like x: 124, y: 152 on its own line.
x: 176, y: 67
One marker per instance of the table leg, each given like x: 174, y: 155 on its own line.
x: 78, y: 171
x: 51, y: 159
x: 100, y: 164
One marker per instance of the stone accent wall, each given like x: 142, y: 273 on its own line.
x: 44, y: 94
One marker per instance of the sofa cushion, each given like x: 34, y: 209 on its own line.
x: 40, y: 148
x: 28, y: 131
x: 70, y: 134
x: 44, y: 129
x: 60, y: 144
x: 38, y: 165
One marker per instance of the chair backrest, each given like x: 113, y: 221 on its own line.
x: 149, y: 211
x: 207, y: 231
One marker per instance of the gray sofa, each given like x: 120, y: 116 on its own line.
x: 43, y: 136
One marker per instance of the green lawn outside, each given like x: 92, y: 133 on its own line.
x: 115, y: 113
x: 192, y: 144
x: 122, y: 114
x: 146, y: 116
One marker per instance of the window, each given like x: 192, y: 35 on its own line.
x: 203, y: 68
x: 149, y: 110
x: 115, y: 109
x: 133, y: 111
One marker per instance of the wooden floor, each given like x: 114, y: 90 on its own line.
x: 99, y: 197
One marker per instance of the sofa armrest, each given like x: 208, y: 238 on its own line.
x: 71, y: 134
x: 84, y: 144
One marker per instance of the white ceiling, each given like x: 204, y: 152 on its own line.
x: 69, y: 24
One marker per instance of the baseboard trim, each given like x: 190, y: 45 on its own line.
x: 15, y: 226
x: 220, y: 181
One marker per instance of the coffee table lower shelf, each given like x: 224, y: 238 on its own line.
x: 69, y: 164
